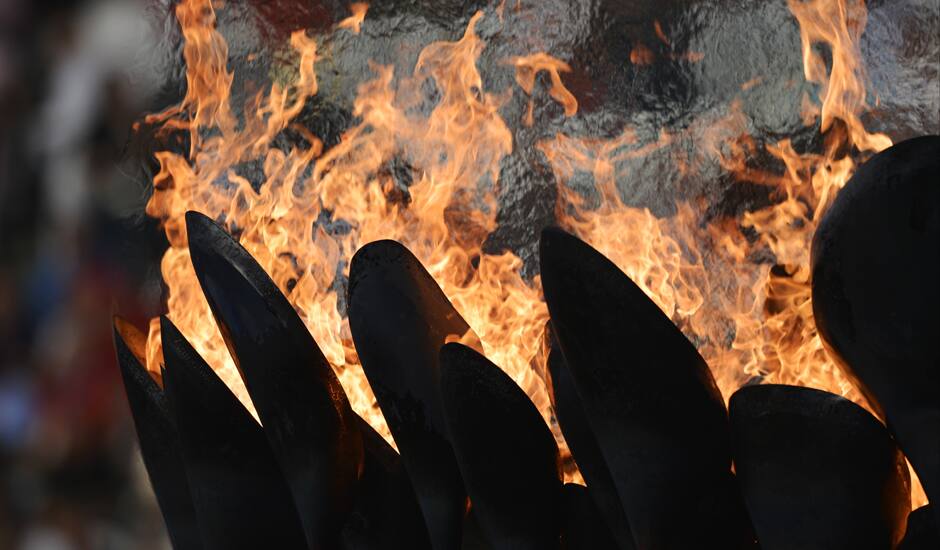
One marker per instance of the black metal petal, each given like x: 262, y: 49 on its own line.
x: 239, y: 493
x: 650, y: 399
x: 400, y: 319
x: 585, y: 528
x: 506, y: 453
x: 386, y: 511
x: 305, y: 412
x: 876, y: 293
x: 584, y: 448
x: 159, y: 441
x: 922, y: 532
x: 816, y: 470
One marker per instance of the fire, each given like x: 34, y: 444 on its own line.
x: 526, y: 69
x: 314, y: 208
x: 354, y: 21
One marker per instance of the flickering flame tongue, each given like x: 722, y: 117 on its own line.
x: 746, y: 319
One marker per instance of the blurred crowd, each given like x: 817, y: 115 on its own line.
x: 75, y: 248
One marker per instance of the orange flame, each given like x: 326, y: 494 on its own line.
x: 530, y: 65
x: 747, y: 319
x: 354, y: 21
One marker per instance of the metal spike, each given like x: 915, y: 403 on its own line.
x: 507, y: 454
x: 650, y: 399
x: 399, y: 319
x: 306, y: 414
x: 159, y: 440
x: 816, y: 470
x: 239, y: 493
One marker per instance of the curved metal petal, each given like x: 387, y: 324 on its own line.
x: 507, y: 454
x: 239, y: 493
x: 584, y: 527
x: 650, y: 399
x: 400, y: 319
x: 385, y: 509
x: 876, y: 267
x: 584, y: 448
x: 816, y: 470
x: 159, y: 440
x: 306, y: 415
x: 922, y: 532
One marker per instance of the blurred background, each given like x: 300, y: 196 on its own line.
x: 74, y: 247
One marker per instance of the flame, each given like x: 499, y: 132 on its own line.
x: 530, y: 65
x: 641, y: 55
x: 354, y: 21
x: 427, y: 176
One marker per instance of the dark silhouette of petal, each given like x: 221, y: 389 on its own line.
x: 650, y: 399
x: 239, y: 493
x: 876, y: 268
x: 816, y: 470
x: 386, y: 510
x: 584, y: 526
x: 305, y: 412
x: 922, y: 532
x: 400, y: 319
x: 507, y: 454
x: 159, y: 440
x: 584, y: 448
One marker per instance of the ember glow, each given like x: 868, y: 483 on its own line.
x: 317, y: 206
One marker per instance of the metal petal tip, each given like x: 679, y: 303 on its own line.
x: 810, y: 459
x: 584, y: 448
x: 239, y: 493
x: 399, y: 319
x: 307, y: 416
x: 876, y: 264
x: 159, y: 440
x: 649, y: 398
x: 507, y: 454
